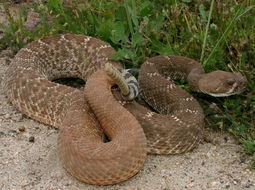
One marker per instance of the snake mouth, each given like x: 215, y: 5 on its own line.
x: 220, y: 94
x: 232, y: 91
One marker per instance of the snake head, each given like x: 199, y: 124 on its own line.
x: 221, y: 83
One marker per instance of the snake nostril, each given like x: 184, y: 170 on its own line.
x: 242, y: 82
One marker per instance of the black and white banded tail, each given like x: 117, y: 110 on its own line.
x: 125, y: 80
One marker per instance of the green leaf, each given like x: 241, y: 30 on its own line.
x: 137, y: 39
x: 123, y: 54
x: 155, y: 24
x: 146, y: 8
x: 91, y: 18
x: 163, y: 49
x: 118, y: 33
x: 169, y: 2
x: 121, y: 14
x: 105, y: 30
x: 186, y: 1
x: 202, y: 13
x: 56, y: 6
x: 249, y: 146
x: 132, y: 14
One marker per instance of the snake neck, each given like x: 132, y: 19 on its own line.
x: 193, y: 78
x: 177, y: 67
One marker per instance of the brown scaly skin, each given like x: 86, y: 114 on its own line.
x: 180, y: 114
x: 83, y: 152
x: 81, y: 148
x: 83, y: 120
x: 217, y: 83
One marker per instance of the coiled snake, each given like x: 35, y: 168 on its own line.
x: 175, y: 125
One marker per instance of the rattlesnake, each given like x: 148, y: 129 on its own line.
x: 175, y: 125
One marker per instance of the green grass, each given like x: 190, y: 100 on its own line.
x: 220, y: 35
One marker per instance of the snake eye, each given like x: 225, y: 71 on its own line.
x: 230, y: 81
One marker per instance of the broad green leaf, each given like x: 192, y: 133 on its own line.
x: 137, y: 39
x: 105, y: 30
x: 146, y: 8
x: 118, y: 32
x: 120, y: 14
x: 124, y: 54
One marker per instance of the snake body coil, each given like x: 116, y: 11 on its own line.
x: 84, y: 117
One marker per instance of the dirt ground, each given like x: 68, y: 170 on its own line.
x: 29, y: 160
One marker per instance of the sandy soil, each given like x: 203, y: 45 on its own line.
x: 29, y: 160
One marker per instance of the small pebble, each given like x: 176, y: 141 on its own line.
x: 236, y: 181
x: 242, y: 160
x: 7, y: 116
x: 191, y: 185
x: 213, y: 184
x: 12, y: 132
x: 226, y: 139
x: 22, y: 128
x: 17, y: 117
x: 248, y: 186
x: 31, y: 139
x: 214, y: 108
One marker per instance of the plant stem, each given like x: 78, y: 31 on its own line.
x: 129, y: 18
x: 206, y: 31
x: 238, y: 15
